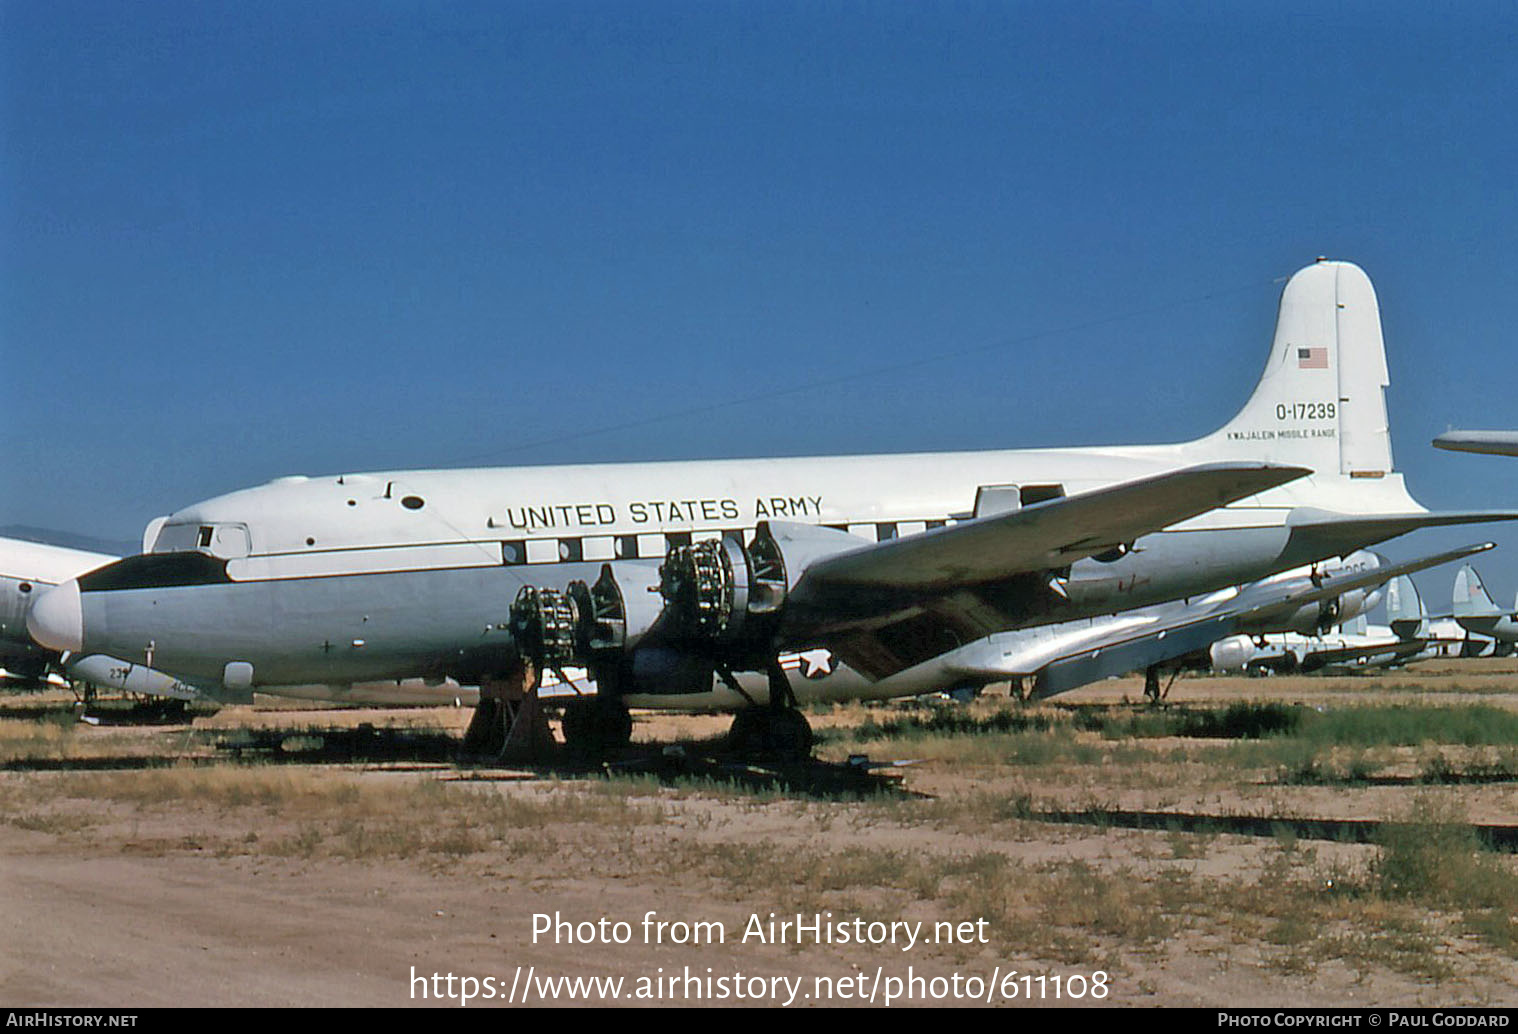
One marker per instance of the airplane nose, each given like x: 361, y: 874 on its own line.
x: 56, y: 619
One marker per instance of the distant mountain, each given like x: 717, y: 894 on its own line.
x: 68, y: 540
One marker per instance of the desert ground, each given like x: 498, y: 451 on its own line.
x: 1291, y: 841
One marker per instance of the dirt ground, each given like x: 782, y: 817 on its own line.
x: 151, y: 865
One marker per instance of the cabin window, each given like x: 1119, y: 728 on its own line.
x: 542, y: 551
x: 513, y: 553
x: 597, y: 547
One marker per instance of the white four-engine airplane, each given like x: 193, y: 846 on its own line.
x: 682, y: 583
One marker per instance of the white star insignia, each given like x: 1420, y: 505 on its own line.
x: 817, y: 664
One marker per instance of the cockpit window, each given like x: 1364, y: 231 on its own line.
x: 227, y: 541
x: 176, y: 538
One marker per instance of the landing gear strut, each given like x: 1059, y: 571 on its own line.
x: 1152, y: 691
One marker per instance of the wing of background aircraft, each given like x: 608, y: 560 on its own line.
x: 1129, y: 646
x: 1394, y: 651
x: 28, y: 568
x: 1495, y: 443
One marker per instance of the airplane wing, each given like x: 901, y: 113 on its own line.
x: 885, y: 606
x: 1044, y: 536
x: 1495, y: 443
x: 1130, y: 648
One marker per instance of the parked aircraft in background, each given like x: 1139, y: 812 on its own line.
x: 1496, y: 443
x: 681, y: 584
x: 27, y: 569
x: 1440, y: 635
x: 1220, y: 630
x: 1476, y: 612
x: 1354, y: 646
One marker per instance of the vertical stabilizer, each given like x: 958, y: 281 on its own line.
x: 1470, y: 597
x: 1404, y: 608
x: 1321, y: 401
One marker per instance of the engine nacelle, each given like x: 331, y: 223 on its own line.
x: 1231, y: 654
x: 711, y: 606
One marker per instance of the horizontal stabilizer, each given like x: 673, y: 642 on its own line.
x: 1494, y: 443
x: 1317, y: 533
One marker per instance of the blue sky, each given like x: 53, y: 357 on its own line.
x: 243, y: 240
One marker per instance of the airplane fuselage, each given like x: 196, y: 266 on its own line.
x: 414, y: 574
x: 410, y: 574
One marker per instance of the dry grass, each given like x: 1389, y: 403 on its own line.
x: 1427, y: 901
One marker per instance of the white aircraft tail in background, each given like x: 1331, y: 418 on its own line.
x: 1477, y: 612
x: 1440, y: 634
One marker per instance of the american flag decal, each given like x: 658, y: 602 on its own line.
x: 1312, y: 358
